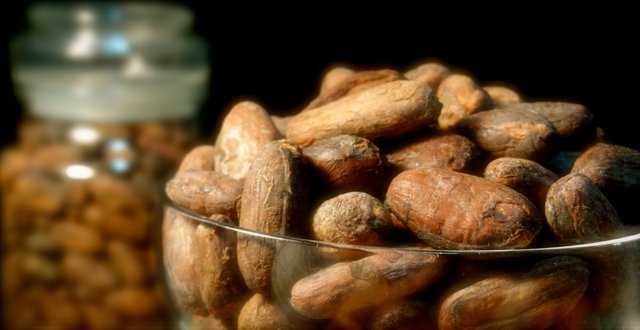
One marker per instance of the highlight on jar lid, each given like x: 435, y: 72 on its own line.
x: 110, y: 62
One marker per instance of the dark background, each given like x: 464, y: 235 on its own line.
x: 275, y: 53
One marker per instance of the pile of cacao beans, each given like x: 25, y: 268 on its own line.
x: 79, y: 234
x: 416, y: 165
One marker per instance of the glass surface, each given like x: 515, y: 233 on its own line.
x: 110, y: 93
x: 363, y: 287
x: 79, y: 206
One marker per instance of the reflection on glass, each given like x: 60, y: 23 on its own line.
x: 79, y: 172
x: 84, y: 135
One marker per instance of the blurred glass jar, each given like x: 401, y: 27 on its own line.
x: 111, y: 95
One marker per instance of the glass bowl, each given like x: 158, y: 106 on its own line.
x: 322, y: 285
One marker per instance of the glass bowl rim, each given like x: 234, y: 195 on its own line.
x: 555, y: 249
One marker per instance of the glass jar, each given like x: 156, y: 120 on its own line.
x: 111, y: 95
x: 324, y: 285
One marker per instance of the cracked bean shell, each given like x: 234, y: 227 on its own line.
x: 452, y: 210
x: 389, y: 110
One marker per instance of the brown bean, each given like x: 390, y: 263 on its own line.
x: 576, y: 209
x: 126, y: 263
x: 347, y: 162
x: 55, y: 157
x: 104, y: 188
x: 210, y: 323
x: 167, y: 140
x: 260, y: 313
x: 460, y: 97
x: 36, y: 134
x: 353, y: 84
x: 408, y: 314
x: 388, y: 110
x: 580, y: 317
x: 612, y: 270
x: 430, y: 74
x: 179, y: 264
x: 615, y: 170
x: 221, y: 285
x: 502, y: 96
x: 355, y: 320
x: 524, y: 176
x: 506, y: 132
x: 41, y: 241
x: 59, y: 312
x: 533, y: 300
x: 205, y: 192
x: 333, y: 77
x: 147, y: 322
x: 13, y: 163
x: 39, y: 193
x: 575, y: 124
x: 199, y: 158
x: 93, y: 275
x: 131, y: 225
x: 125, y: 206
x: 13, y: 281
x: 452, y: 210
x: 274, y: 201
x: 244, y: 131
x: 353, y: 218
x: 370, y: 281
x: 100, y: 318
x: 40, y: 269
x: 132, y: 302
x: 451, y: 151
x: 610, y: 167
x: 76, y: 237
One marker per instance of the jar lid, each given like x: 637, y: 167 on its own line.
x: 104, y: 95
x: 135, y: 19
x: 110, y: 62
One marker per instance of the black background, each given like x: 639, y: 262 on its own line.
x: 275, y: 53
